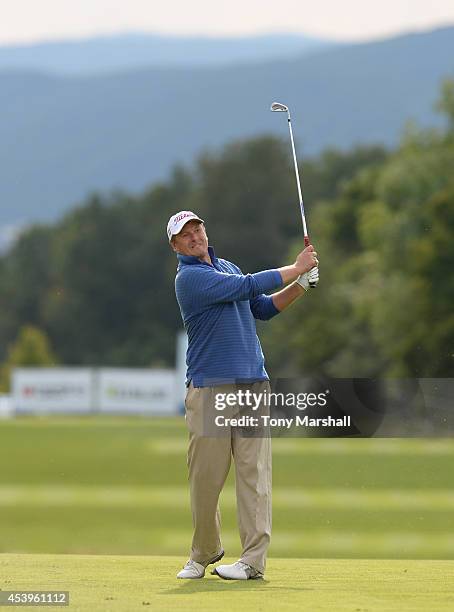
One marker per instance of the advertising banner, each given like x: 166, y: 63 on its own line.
x: 52, y: 390
x: 137, y: 391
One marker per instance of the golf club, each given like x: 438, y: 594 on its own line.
x: 283, y: 108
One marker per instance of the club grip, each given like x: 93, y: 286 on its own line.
x: 307, y: 242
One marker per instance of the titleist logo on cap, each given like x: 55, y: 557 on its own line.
x: 182, y: 216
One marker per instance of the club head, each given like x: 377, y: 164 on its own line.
x: 279, y: 108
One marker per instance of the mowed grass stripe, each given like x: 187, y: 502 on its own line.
x: 104, y: 421
x: 140, y: 534
x: 320, y: 446
x: 79, y: 495
x: 321, y: 541
x: 176, y: 442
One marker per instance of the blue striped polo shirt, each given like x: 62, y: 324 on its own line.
x: 218, y: 305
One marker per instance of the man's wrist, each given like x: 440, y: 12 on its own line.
x: 288, y: 273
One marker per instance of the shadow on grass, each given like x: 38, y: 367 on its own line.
x: 215, y: 584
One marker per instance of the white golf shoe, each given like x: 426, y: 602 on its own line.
x: 192, y: 569
x: 237, y: 571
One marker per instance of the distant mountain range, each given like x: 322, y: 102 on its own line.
x: 140, y: 50
x: 62, y: 137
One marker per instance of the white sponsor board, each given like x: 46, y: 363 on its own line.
x: 6, y: 406
x: 52, y: 390
x: 137, y: 391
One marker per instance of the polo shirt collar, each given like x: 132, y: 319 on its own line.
x: 190, y: 259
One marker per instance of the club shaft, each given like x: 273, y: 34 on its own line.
x: 300, y: 194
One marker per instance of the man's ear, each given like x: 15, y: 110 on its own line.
x: 172, y: 244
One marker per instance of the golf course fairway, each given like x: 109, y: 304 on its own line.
x: 124, y: 583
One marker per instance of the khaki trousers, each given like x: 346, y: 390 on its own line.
x: 211, y: 449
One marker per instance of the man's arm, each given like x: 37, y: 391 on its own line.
x: 201, y: 286
x: 283, y: 298
x: 205, y: 285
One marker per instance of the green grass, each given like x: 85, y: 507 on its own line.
x: 131, y: 583
x: 118, y: 485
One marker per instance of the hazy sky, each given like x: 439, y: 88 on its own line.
x: 32, y: 20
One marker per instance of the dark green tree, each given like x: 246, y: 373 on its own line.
x: 384, y: 303
x: 31, y: 348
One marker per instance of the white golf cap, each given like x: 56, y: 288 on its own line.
x: 178, y: 221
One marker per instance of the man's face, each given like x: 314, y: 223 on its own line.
x: 192, y: 240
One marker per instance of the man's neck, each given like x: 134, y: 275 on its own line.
x: 206, y: 259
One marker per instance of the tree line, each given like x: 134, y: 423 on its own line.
x: 97, y: 287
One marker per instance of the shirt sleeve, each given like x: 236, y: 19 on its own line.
x: 262, y: 307
x: 205, y: 285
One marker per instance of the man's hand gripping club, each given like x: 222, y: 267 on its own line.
x: 308, y: 278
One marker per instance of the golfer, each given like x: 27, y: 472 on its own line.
x: 218, y: 305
